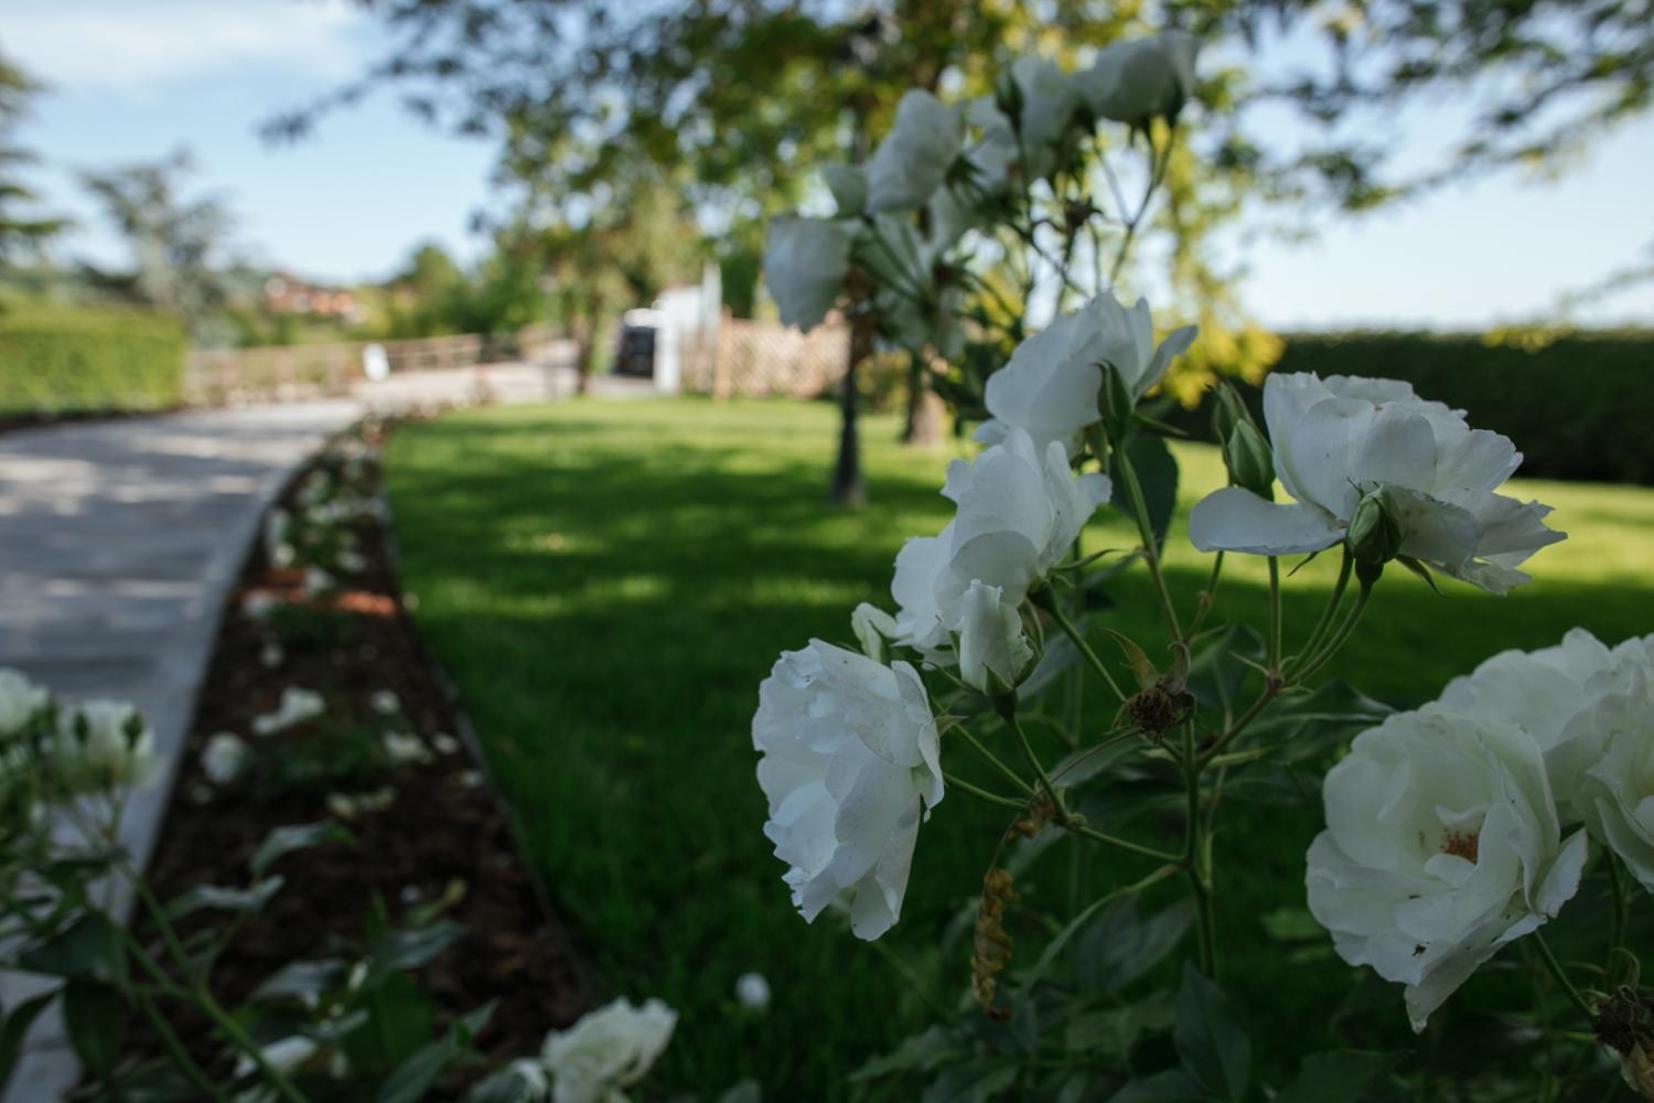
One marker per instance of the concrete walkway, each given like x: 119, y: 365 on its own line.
x: 118, y: 542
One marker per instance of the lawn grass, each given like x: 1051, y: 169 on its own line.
x: 609, y: 582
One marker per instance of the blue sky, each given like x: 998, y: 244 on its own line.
x: 131, y: 81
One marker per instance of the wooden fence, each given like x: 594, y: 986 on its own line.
x: 217, y: 377
x: 761, y: 358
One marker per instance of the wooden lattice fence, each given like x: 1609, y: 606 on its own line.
x: 764, y: 359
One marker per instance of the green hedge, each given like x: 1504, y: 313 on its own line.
x: 69, y: 360
x: 1578, y: 406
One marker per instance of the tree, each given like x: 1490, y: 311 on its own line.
x: 748, y: 98
x: 21, y: 234
x: 178, y: 245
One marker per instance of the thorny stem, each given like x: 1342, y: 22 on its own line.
x: 1194, y: 855
x: 1014, y: 777
x: 1333, y: 600
x: 982, y: 794
x: 1274, y: 613
x: 1073, y: 633
x: 1151, y: 553
x: 1561, y: 975
x: 1039, y: 767
x: 180, y: 1056
x: 1208, y: 596
x: 1124, y: 844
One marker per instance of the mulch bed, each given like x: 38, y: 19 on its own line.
x: 443, y: 828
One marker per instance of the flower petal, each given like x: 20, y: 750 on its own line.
x: 1235, y: 519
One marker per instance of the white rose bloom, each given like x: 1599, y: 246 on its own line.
x: 385, y: 702
x: 1049, y: 388
x: 103, y: 744
x: 1132, y: 82
x: 991, y: 639
x: 296, y: 706
x: 1442, y: 845
x: 752, y: 991
x: 1550, y: 693
x: 1020, y: 506
x: 872, y: 626
x: 848, y: 185
x: 850, y: 762
x: 1048, y: 102
x: 1616, y: 793
x: 20, y: 700
x: 1341, y: 438
x: 913, y: 160
x: 225, y: 758
x: 607, y: 1050
x: 805, y: 262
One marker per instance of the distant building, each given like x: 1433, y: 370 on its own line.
x: 285, y: 293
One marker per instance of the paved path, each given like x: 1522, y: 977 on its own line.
x: 118, y: 541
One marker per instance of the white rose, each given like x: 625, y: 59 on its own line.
x: 297, y: 706
x: 103, y: 744
x: 1340, y: 439
x: 609, y: 1049
x: 1050, y: 386
x: 1048, y: 102
x: 872, y: 626
x: 752, y: 991
x: 850, y: 762
x: 805, y: 262
x: 20, y: 701
x: 1020, y: 508
x: 993, y: 648
x: 1132, y: 82
x: 848, y: 185
x: 225, y: 758
x: 1442, y: 845
x: 913, y: 160
x: 1550, y: 694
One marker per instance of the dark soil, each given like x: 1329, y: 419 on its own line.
x: 8, y: 422
x: 444, y: 831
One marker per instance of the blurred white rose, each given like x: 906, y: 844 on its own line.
x: 913, y: 160
x: 1442, y: 845
x: 1020, y: 508
x: 1133, y: 82
x: 20, y: 701
x: 225, y: 758
x: 1342, y: 440
x: 872, y: 626
x: 752, y: 991
x: 100, y: 745
x: 607, y: 1050
x: 849, y: 765
x: 385, y: 702
x: 1050, y: 386
x: 297, y: 706
x: 1048, y: 102
x: 805, y: 262
x: 848, y: 184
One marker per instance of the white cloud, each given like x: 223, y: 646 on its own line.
x: 119, y: 45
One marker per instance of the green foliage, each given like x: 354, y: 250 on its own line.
x: 1578, y: 405
x: 61, y: 360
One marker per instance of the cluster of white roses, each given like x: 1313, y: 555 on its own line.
x: 58, y: 750
x: 850, y: 746
x: 945, y: 170
x: 1444, y: 837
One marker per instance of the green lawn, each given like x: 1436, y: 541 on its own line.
x: 609, y: 582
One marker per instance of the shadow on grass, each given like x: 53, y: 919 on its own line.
x: 609, y: 609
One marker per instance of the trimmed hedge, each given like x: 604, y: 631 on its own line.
x: 1578, y: 406
x: 72, y: 360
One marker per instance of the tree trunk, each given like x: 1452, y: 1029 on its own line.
x: 847, y: 488
x: 923, y: 428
